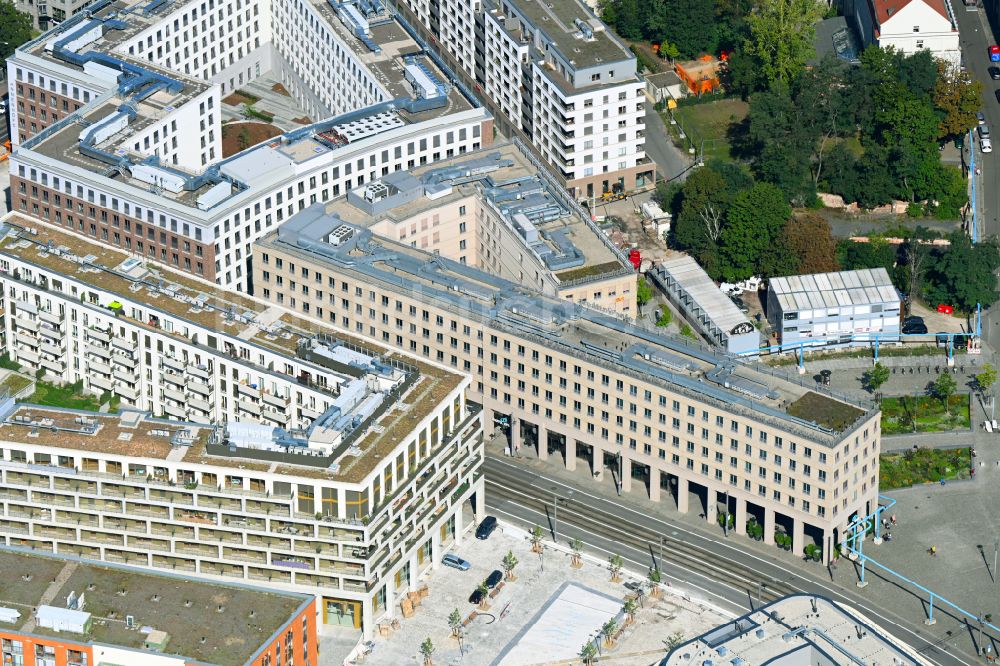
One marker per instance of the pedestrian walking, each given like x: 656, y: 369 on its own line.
x: 893, y: 519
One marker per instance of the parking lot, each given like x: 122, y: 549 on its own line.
x: 544, y: 616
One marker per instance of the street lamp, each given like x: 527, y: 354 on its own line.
x: 662, y: 539
x: 555, y: 511
x: 760, y: 586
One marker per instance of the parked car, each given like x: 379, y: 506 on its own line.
x: 476, y: 596
x: 494, y: 578
x: 984, y: 131
x: 915, y: 328
x: 994, y: 73
x: 455, y: 562
x: 486, y: 527
x: 986, y: 145
x: 980, y: 118
x: 997, y: 93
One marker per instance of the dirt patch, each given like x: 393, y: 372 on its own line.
x: 240, y: 136
x: 281, y: 90
x: 240, y: 97
x: 304, y: 120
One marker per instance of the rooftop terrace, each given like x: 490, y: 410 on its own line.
x: 577, y: 330
x: 797, y: 630
x: 234, y: 315
x: 187, y: 610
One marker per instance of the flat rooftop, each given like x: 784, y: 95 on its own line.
x: 558, y: 20
x: 469, y: 292
x: 797, y: 630
x: 865, y: 287
x: 230, y: 314
x: 540, y: 214
x: 693, y: 279
x: 394, y: 45
x: 187, y: 610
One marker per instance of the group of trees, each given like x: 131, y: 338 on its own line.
x: 682, y: 28
x: 959, y: 274
x: 737, y: 228
x: 15, y: 29
x: 869, y: 133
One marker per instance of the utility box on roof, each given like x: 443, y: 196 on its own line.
x: 63, y: 619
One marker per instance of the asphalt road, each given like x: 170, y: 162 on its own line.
x: 975, y: 39
x: 717, y: 571
x: 671, y: 162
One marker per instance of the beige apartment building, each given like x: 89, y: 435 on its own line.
x: 494, y: 210
x: 597, y: 393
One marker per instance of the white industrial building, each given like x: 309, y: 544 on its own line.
x: 843, y: 309
x: 117, y: 122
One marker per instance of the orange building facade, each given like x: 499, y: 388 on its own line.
x: 293, y: 644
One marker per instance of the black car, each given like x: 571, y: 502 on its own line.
x: 494, y: 578
x: 486, y: 527
x: 997, y: 93
x: 994, y: 73
x: 476, y: 596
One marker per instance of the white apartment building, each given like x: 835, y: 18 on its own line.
x: 333, y: 467
x: 560, y: 76
x: 114, y: 147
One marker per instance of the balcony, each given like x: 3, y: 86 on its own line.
x: 127, y: 392
x: 99, y: 335
x: 127, y: 345
x: 56, y: 366
x: 251, y: 408
x: 199, y: 371
x: 173, y: 379
x: 50, y: 317
x: 99, y: 382
x: 97, y: 350
x: 125, y: 375
x: 174, y: 394
x: 27, y: 356
x: 246, y: 389
x: 50, y: 347
x: 176, y: 411
x: 26, y: 324
x: 174, y: 364
x: 199, y: 405
x: 100, y: 367
x: 197, y: 386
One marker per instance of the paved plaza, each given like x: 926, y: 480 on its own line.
x: 544, y: 616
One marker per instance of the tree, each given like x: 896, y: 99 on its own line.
x: 944, y: 386
x: 875, y: 377
x: 751, y: 238
x: 629, y: 608
x: 986, y: 379
x: 243, y: 138
x: 427, y: 650
x: 615, y: 564
x: 509, y: 562
x: 809, y: 239
x: 781, y: 36
x: 536, y: 539
x: 588, y: 652
x: 455, y: 622
x: 577, y: 547
x: 958, y: 97
x: 608, y: 629
x: 673, y: 640
x: 698, y: 226
x: 15, y: 29
x: 964, y: 274
x: 654, y: 578
x: 484, y: 594
x: 643, y: 292
x: 664, y: 318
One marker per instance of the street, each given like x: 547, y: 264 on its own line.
x: 697, y: 558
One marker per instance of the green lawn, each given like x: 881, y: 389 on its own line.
x: 924, y: 414
x: 908, y: 468
x: 709, y: 122
x: 13, y: 383
x: 69, y: 396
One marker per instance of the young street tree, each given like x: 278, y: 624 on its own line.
x: 427, y: 650
x: 629, y: 608
x: 608, y: 629
x: 944, y: 388
x: 654, y: 577
x: 874, y: 378
x: 484, y: 595
x: 577, y: 547
x: 615, y: 564
x: 509, y: 562
x: 588, y: 652
x: 455, y: 622
x: 536, y: 539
